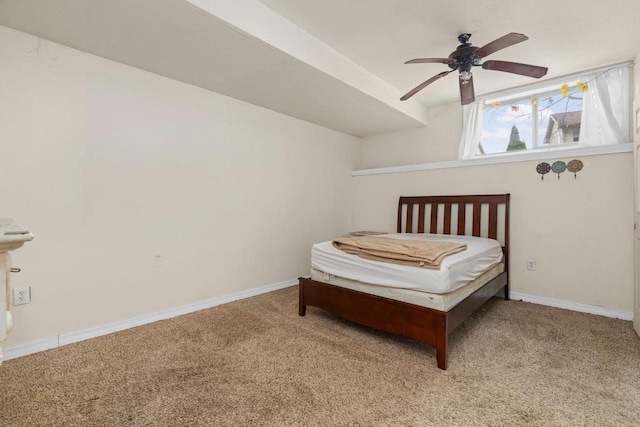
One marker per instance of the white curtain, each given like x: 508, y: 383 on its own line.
x: 471, y: 130
x: 605, y: 107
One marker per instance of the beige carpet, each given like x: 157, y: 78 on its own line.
x: 256, y: 362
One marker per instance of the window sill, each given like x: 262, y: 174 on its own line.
x: 502, y: 158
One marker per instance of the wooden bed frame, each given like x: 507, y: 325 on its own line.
x: 424, y: 324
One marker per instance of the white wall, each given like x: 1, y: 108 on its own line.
x: 145, y: 193
x: 434, y: 143
x: 580, y: 231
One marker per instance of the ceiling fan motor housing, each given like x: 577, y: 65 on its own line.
x: 463, y: 58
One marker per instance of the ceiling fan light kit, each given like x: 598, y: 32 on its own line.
x: 467, y: 56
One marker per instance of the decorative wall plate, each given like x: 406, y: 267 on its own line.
x: 558, y: 167
x: 543, y: 168
x: 574, y: 166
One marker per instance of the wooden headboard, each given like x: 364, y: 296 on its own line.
x: 476, y: 215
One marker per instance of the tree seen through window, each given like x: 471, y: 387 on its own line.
x: 531, y: 122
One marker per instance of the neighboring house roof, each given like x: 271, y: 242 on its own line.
x: 570, y: 118
x: 563, y: 121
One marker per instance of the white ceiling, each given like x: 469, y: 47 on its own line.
x: 336, y: 63
x: 380, y: 35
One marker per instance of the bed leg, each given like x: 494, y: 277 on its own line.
x: 441, y: 344
x: 441, y: 356
x: 302, y: 308
x: 506, y: 292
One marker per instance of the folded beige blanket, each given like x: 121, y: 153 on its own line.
x: 416, y: 253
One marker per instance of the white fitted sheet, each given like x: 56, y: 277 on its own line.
x: 455, y: 271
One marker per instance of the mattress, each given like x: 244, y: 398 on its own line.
x: 441, y: 302
x: 456, y: 270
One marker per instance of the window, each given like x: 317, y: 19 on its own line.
x: 585, y: 109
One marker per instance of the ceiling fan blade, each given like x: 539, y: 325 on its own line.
x: 516, y: 68
x: 430, y: 60
x: 423, y: 85
x: 467, y: 96
x: 504, y: 41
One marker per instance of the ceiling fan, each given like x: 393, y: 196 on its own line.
x: 467, y: 56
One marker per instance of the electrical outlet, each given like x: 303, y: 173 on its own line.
x: 531, y: 264
x: 22, y: 295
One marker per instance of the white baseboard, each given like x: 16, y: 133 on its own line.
x: 574, y: 306
x: 30, y: 348
x: 71, y: 337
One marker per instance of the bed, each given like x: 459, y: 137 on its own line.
x: 424, y: 316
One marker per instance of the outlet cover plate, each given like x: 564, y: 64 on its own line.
x: 21, y: 295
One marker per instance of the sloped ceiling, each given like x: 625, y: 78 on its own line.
x: 335, y: 63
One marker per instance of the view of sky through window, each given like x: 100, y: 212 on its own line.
x: 541, y: 119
